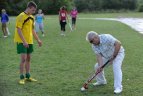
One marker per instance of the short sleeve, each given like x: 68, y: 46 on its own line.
x: 96, y: 51
x: 20, y: 21
x: 110, y: 40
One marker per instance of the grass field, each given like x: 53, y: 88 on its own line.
x: 63, y: 64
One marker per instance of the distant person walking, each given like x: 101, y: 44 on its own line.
x: 73, y: 15
x: 24, y: 33
x: 39, y: 22
x: 62, y: 19
x: 4, y: 21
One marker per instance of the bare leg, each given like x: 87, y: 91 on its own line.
x: 27, y: 64
x: 22, y: 63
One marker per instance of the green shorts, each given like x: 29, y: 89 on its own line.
x: 22, y: 49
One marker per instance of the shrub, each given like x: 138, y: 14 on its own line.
x: 140, y: 8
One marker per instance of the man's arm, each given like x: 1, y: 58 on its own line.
x: 37, y: 38
x: 100, y: 63
x: 117, y: 48
x: 99, y: 59
x: 22, y: 37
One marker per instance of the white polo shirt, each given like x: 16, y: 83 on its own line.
x: 106, y: 47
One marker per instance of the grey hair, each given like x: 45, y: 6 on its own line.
x: 91, y: 35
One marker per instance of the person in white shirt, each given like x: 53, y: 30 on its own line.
x: 107, y: 47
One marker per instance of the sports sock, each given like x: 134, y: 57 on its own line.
x: 27, y: 75
x: 21, y: 76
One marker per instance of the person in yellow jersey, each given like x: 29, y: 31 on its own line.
x: 24, y: 33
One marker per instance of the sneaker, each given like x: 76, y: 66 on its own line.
x: 4, y: 36
x: 43, y: 35
x: 118, y: 90
x: 62, y: 34
x: 30, y: 79
x: 99, y: 83
x: 22, y: 81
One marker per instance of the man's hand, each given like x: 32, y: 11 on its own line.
x: 25, y: 44
x: 111, y: 60
x: 40, y: 43
x: 99, y: 70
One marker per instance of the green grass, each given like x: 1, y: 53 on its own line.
x: 114, y: 15
x: 63, y: 64
x: 106, y: 15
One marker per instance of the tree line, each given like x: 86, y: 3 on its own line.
x: 99, y: 5
x: 14, y: 7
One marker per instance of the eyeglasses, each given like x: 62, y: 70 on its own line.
x: 91, y: 41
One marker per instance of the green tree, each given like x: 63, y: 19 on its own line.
x: 93, y: 5
x: 140, y: 5
x: 14, y: 7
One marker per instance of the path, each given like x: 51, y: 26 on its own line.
x: 134, y: 23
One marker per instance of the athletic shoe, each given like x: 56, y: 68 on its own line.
x: 4, y: 36
x: 43, y: 35
x: 22, y: 81
x: 99, y: 83
x: 30, y: 79
x: 118, y: 90
x: 62, y: 34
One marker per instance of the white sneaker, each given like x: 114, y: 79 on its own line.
x: 118, y: 90
x: 43, y: 35
x: 62, y: 34
x: 4, y: 36
x: 99, y: 83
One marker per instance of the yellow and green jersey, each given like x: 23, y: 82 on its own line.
x: 26, y: 23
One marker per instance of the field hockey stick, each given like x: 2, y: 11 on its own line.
x: 85, y: 85
x: 69, y: 24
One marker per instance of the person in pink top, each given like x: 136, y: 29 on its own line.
x: 73, y: 15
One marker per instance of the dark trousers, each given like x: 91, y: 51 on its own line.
x: 73, y: 21
x: 63, y: 25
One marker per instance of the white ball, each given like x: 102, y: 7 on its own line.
x: 82, y: 89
